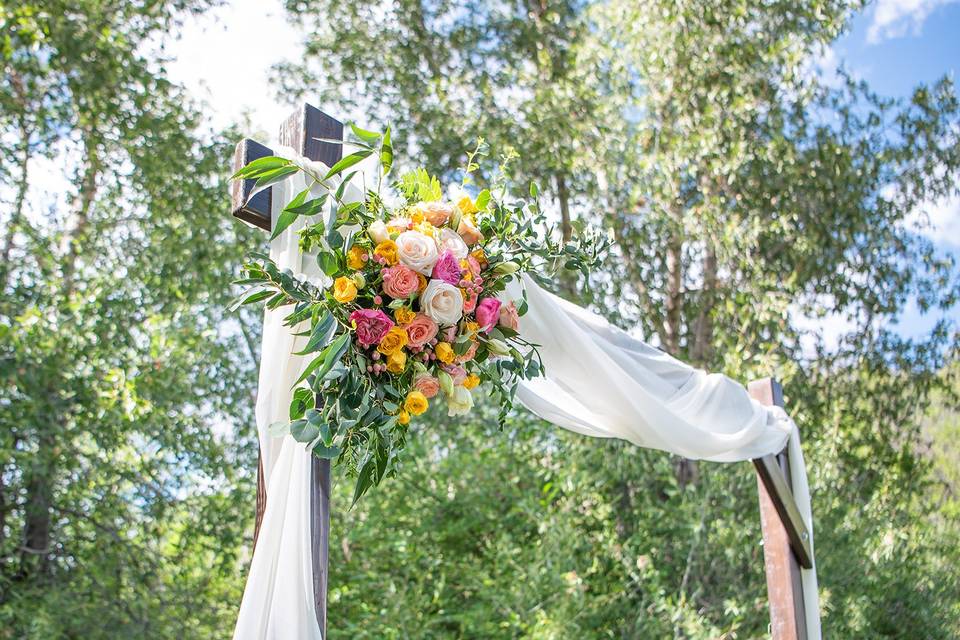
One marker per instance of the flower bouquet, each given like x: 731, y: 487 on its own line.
x: 414, y: 306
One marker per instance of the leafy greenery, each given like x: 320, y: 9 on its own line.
x: 123, y: 513
x: 696, y: 130
x: 349, y: 411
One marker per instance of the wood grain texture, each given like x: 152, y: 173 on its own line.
x: 781, y: 565
x: 301, y: 132
x: 255, y: 210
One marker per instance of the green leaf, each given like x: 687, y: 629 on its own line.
x: 534, y: 190
x: 333, y: 353
x: 483, y: 199
x: 364, y: 479
x: 327, y: 262
x: 289, y: 213
x: 386, y: 152
x: 274, y: 175
x: 311, y: 207
x: 302, y: 400
x: 367, y: 136
x: 260, y: 166
x: 319, y: 335
x: 326, y: 452
x: 304, y: 431
x: 348, y: 161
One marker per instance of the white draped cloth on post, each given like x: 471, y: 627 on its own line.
x: 599, y: 381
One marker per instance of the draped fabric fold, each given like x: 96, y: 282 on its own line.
x: 602, y: 382
x: 278, y: 600
x: 599, y: 381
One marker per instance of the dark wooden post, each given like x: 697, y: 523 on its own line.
x: 786, y: 541
x: 302, y: 131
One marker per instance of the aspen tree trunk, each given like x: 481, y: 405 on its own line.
x: 40, y: 477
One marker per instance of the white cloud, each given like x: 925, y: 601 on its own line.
x: 897, y: 18
x: 943, y: 216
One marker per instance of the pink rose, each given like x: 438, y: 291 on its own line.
x: 470, y: 352
x: 470, y: 301
x: 421, y: 330
x: 488, y: 313
x: 427, y: 385
x: 458, y: 373
x: 509, y: 317
x: 470, y: 234
x: 447, y: 268
x: 400, y: 281
x: 372, y: 325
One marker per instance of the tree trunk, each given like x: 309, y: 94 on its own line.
x: 17, y: 217
x: 702, y: 349
x: 40, y: 477
x: 72, y: 241
x: 674, y: 293
x: 563, y: 195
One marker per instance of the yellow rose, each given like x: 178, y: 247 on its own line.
x: 416, y: 403
x: 355, y: 258
x: 444, y: 352
x: 344, y: 290
x: 388, y: 251
x: 394, y: 341
x: 404, y: 315
x: 426, y: 229
x: 472, y: 381
x: 416, y: 214
x: 403, y: 417
x: 466, y: 206
x: 472, y: 327
x: 423, y: 282
x: 396, y: 361
x: 480, y: 256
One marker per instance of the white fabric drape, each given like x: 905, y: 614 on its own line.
x: 604, y: 383
x: 599, y: 382
x: 278, y: 598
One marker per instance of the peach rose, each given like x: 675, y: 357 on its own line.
x: 509, y: 317
x: 421, y: 330
x: 436, y: 213
x: 469, y: 232
x: 427, y: 385
x: 400, y: 282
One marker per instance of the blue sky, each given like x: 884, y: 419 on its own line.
x: 895, y: 45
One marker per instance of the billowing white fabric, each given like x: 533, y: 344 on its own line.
x: 599, y: 382
x: 604, y: 383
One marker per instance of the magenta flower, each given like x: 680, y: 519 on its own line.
x: 372, y: 325
x: 447, y: 268
x: 488, y: 313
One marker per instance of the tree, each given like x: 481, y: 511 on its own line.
x: 122, y: 512
x: 746, y: 193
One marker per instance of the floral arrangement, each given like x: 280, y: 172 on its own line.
x: 413, y: 308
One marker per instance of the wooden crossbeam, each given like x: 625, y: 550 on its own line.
x: 303, y: 132
x: 786, y: 540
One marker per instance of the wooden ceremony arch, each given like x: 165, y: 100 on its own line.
x: 786, y: 540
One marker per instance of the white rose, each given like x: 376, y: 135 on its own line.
x: 443, y: 302
x: 450, y: 239
x: 417, y: 251
x: 378, y: 232
x: 459, y: 402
